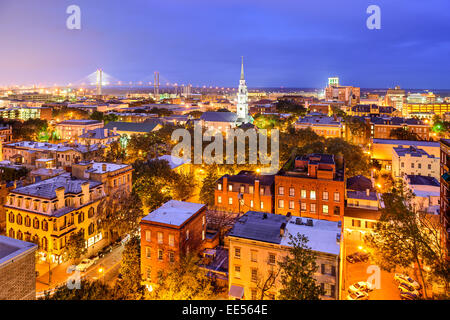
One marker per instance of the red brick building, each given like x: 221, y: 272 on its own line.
x: 169, y: 232
x: 312, y: 187
x: 244, y: 191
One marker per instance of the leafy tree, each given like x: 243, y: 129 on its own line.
x: 405, y: 236
x: 75, y: 246
x: 119, y: 214
x: 115, y: 153
x: 100, y: 116
x: 265, y: 283
x: 195, y: 114
x: 184, y: 280
x: 11, y: 174
x: 267, y: 121
x: 297, y: 272
x: 208, y: 186
x: 89, y: 290
x: 285, y: 106
x: 130, y: 287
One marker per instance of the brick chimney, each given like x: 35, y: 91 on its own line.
x: 367, y: 192
x: 85, y: 191
x: 282, y: 229
x: 60, y: 197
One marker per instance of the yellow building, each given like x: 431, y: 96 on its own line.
x: 437, y: 108
x: 48, y: 212
x: 258, y: 241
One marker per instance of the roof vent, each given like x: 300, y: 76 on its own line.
x: 298, y: 221
x: 309, y: 222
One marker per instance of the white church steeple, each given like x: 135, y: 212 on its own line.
x: 242, y: 98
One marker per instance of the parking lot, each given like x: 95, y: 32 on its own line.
x: 362, y: 271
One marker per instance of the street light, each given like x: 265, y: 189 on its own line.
x: 101, y: 270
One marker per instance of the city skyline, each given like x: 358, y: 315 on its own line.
x: 292, y: 45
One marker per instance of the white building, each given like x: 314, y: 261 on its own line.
x: 414, y: 161
x: 426, y: 191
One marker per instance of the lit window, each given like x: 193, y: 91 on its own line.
x: 336, y: 197
x: 160, y: 237
x: 280, y: 203
x: 291, y: 192
x: 312, y: 195
x: 148, y: 235
x: 171, y: 240
x: 148, y: 252
x: 219, y: 199
x: 325, y: 195
x: 312, y: 207
x: 160, y: 254
x: 219, y: 186
x: 237, y: 253
x: 281, y: 191
x: 303, y: 205
x: 291, y: 204
x: 230, y: 200
x: 237, y: 272
x: 325, y: 209
x: 303, y: 194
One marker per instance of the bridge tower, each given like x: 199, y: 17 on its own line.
x: 99, y: 81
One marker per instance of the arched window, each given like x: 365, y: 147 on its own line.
x: 36, y: 223
x: 91, y: 229
x: 27, y: 221
x: 11, y: 217
x: 19, y: 219
x: 45, y: 225
x: 27, y: 236
x: 80, y: 217
x: 19, y: 235
x: 35, y: 239
x: 91, y: 212
x: 11, y: 233
x: 44, y: 244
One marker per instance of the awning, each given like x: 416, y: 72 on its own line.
x: 236, y: 292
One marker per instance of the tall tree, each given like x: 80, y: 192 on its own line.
x: 130, y: 287
x: 297, y: 272
x: 208, y: 186
x: 184, y: 280
x: 89, y: 290
x: 75, y: 246
x: 406, y: 236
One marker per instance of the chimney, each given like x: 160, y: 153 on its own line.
x: 367, y: 192
x: 282, y: 229
x: 85, y: 191
x: 288, y: 216
x: 104, y: 167
x: 60, y: 197
x: 105, y: 131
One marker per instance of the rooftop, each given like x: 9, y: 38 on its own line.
x: 98, y: 133
x: 407, y: 142
x: 46, y: 188
x: 319, y: 120
x: 411, y: 151
x: 362, y: 195
x: 174, y: 212
x: 11, y: 248
x: 422, y: 180
x: 132, y: 126
x: 249, y: 177
x: 103, y: 167
x: 266, y: 227
x: 219, y: 116
x: 80, y: 122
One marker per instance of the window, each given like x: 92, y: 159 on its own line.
x: 27, y: 221
x: 291, y: 192
x: 237, y: 253
x: 412, y: 165
x: 203, y: 220
x: 251, y: 203
x: 237, y: 272
x: 280, y: 203
x: 303, y: 194
x: 429, y: 167
x: 230, y: 200
x: 171, y: 240
x: 203, y: 234
x: 254, y: 255
x: 254, y: 275
x: 45, y: 225
x: 261, y: 190
x: 253, y: 293
x: 230, y: 187
x: 19, y: 219
x: 419, y: 165
x: 187, y: 234
x: 356, y: 223
x: 402, y: 165
x: 148, y: 273
x: 219, y: 199
x: 148, y: 235
x: 242, y: 189
x: 303, y: 206
x: 171, y: 257
x: 219, y: 186
x: 91, y: 212
x: 271, y: 258
x: 250, y: 189
x: 11, y: 217
x: 291, y: 204
x: 262, y: 205
x: 148, y: 252
x: 281, y: 191
x: 370, y: 225
x: 337, y: 211
x: 35, y: 205
x: 312, y: 207
x: 160, y: 255
x: 325, y: 195
x: 312, y: 195
x: 36, y: 223
x: 91, y: 229
x: 160, y: 237
x: 337, y: 197
x: 325, y: 209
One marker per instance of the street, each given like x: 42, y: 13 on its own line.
x: 105, y: 269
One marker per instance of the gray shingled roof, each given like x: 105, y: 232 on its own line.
x: 46, y: 188
x: 132, y: 126
x: 219, y: 116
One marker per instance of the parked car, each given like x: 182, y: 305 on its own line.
x: 358, y: 295
x: 358, y: 257
x: 360, y: 286
x: 401, y: 278
x: 84, y: 265
x: 404, y: 287
x: 105, y: 251
x: 408, y: 296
